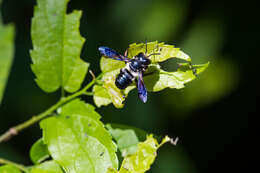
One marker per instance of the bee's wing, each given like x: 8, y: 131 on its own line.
x: 110, y: 53
x: 142, y: 93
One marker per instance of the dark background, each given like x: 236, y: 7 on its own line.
x: 214, y: 116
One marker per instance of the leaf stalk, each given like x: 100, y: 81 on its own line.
x: 16, y: 129
x: 19, y: 166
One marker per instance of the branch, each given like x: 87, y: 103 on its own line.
x: 16, y: 129
x: 19, y: 166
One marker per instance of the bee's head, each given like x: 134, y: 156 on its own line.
x: 143, y: 58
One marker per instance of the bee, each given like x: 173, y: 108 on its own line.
x: 133, y: 71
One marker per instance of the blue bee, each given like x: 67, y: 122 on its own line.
x: 133, y: 70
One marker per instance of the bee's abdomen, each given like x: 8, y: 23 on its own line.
x: 124, y: 79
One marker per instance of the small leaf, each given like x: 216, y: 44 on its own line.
x: 166, y: 51
x: 142, y: 160
x: 116, y: 95
x: 110, y: 69
x: 6, y: 54
x: 155, y: 78
x: 47, y: 167
x: 141, y: 134
x: 9, y: 169
x: 161, y: 79
x: 76, y: 78
x: 78, y: 141
x: 101, y: 96
x: 56, y: 47
x: 107, y: 64
x: 39, y: 152
x: 109, y: 92
x: 126, y: 140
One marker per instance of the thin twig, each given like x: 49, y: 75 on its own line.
x: 16, y: 129
x: 175, y: 141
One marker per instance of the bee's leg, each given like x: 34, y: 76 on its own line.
x: 126, y: 53
x: 136, y: 82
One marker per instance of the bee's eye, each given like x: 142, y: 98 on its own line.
x: 140, y: 54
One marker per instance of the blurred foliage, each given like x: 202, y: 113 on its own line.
x: 156, y: 19
x: 173, y: 160
x: 203, y: 41
x: 220, y: 79
x: 6, y: 53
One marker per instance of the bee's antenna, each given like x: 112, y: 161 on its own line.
x: 146, y: 46
x: 153, y: 54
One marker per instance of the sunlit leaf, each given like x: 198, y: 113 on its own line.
x: 109, y: 93
x: 101, y: 96
x: 142, y: 160
x: 6, y: 54
x: 161, y: 79
x: 47, y: 167
x: 166, y: 51
x: 78, y: 141
x: 107, y: 64
x: 126, y: 140
x: 117, y: 96
x: 76, y: 77
x: 39, y: 152
x: 155, y: 78
x: 56, y: 47
x: 9, y: 169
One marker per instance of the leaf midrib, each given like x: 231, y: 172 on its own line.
x: 62, y: 40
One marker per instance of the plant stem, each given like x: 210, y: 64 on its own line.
x: 16, y: 129
x: 19, y: 166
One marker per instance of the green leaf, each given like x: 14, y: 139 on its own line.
x: 6, y: 54
x: 56, y: 47
x: 116, y: 95
x: 155, y: 78
x: 141, y: 134
x: 166, y: 51
x: 126, y: 140
x: 109, y: 93
x: 108, y: 65
x: 142, y: 160
x: 161, y: 79
x: 78, y: 141
x: 47, y: 167
x: 39, y: 152
x: 9, y: 169
x: 101, y: 96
